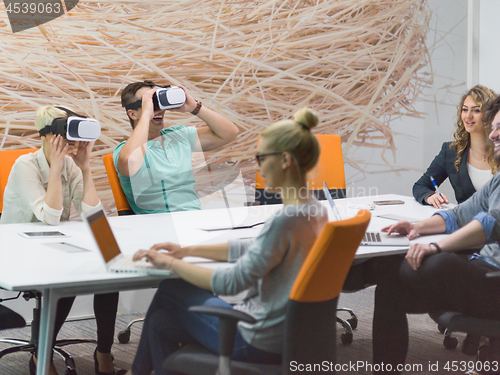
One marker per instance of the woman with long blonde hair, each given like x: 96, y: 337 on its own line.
x: 467, y: 161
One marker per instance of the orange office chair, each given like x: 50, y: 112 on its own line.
x: 8, y: 158
x: 121, y: 202
x: 310, y: 331
x: 123, y: 208
x: 330, y: 169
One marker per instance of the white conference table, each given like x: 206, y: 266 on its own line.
x: 29, y: 264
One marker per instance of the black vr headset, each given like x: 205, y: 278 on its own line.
x: 73, y: 128
x: 165, y: 97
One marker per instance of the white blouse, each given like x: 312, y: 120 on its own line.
x: 24, y: 196
x: 479, y: 177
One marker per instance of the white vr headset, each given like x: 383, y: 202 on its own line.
x: 165, y: 97
x: 170, y: 97
x: 73, y: 128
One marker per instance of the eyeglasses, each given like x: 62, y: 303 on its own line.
x: 260, y: 156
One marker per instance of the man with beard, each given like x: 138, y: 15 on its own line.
x: 432, y: 277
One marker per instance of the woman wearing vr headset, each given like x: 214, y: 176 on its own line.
x: 267, y: 265
x: 41, y: 187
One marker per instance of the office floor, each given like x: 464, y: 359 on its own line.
x: 425, y: 344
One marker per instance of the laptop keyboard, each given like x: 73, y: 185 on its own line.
x: 129, y: 263
x: 372, y: 237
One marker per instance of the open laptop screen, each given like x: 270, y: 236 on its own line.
x: 103, y: 235
x: 330, y: 200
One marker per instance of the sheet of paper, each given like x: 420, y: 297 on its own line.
x: 66, y: 247
x: 399, y: 218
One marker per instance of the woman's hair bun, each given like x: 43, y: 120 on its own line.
x: 306, y: 117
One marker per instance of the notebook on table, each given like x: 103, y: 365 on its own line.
x: 114, y: 259
x: 370, y: 238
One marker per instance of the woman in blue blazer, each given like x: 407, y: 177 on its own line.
x: 468, y: 161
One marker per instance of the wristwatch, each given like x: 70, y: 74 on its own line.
x: 197, y: 109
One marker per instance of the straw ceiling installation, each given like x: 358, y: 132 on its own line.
x: 357, y: 63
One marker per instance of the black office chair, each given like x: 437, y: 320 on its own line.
x: 475, y: 328
x: 32, y: 344
x: 310, y: 331
x: 10, y: 319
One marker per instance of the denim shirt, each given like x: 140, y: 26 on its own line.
x: 483, y: 206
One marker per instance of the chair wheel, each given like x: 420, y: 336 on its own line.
x: 450, y: 342
x: 124, y: 336
x: 441, y: 328
x: 346, y: 338
x: 353, y: 322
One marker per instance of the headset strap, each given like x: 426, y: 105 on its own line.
x: 49, y: 128
x: 45, y: 131
x: 135, y: 105
x: 70, y: 112
x: 138, y: 103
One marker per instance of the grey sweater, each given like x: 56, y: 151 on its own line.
x: 268, y: 265
x: 485, y: 207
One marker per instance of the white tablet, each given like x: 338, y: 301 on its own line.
x: 43, y: 234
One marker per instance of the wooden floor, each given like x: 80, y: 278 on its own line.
x: 425, y: 344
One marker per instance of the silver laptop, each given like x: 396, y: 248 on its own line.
x: 332, y: 203
x: 113, y: 258
x: 370, y: 238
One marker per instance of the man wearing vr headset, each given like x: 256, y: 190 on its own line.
x: 154, y: 164
x: 41, y: 187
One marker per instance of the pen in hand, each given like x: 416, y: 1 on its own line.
x: 436, y: 187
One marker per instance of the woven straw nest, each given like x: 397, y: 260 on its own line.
x: 357, y: 63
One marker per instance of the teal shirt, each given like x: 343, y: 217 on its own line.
x: 165, y: 181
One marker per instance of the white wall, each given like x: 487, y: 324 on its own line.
x: 489, y: 54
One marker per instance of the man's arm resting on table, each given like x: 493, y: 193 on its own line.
x: 470, y: 236
x: 433, y: 225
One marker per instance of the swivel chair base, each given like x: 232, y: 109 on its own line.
x: 348, y: 325
x: 475, y: 328
x: 31, y: 345
x: 124, y: 336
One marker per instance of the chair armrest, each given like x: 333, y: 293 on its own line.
x: 223, y: 313
x: 228, y: 319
